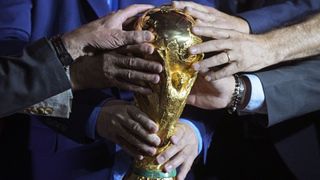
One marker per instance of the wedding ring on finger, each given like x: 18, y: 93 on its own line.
x: 228, y: 57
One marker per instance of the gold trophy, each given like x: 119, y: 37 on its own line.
x: 173, y: 37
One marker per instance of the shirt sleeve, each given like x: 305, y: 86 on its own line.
x: 257, y: 97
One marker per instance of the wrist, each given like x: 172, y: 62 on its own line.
x: 272, y: 45
x: 243, y: 25
x: 72, y: 45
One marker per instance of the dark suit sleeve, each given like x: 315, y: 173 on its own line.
x: 273, y: 16
x: 31, y: 78
x: 83, y: 105
x: 292, y: 90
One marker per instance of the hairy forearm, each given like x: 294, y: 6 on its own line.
x: 296, y: 41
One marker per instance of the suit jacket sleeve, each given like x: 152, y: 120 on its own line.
x: 292, y: 90
x: 83, y: 105
x: 37, y: 74
x: 56, y: 106
x: 273, y: 16
x: 31, y: 78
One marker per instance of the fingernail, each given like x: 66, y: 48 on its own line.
x: 148, y: 36
x: 195, y: 30
x: 174, y: 139
x: 208, y: 78
x: 168, y: 168
x: 140, y: 157
x: 152, y: 151
x: 153, y: 128
x: 160, y: 159
x: 160, y: 69
x: 204, y: 70
x: 156, y: 80
x: 150, y: 49
x: 188, y: 8
x: 156, y: 140
x: 196, y: 66
x: 193, y: 50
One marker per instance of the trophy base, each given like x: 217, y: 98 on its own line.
x: 142, y: 174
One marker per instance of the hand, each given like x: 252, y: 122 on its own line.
x: 208, y: 16
x: 124, y: 124
x: 182, y: 152
x: 211, y: 95
x: 106, y: 33
x: 114, y: 70
x: 239, y: 52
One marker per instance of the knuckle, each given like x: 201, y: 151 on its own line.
x: 135, y: 127
x: 132, y: 62
x: 129, y: 74
x: 117, y: 39
x: 184, y: 154
x: 139, y: 116
x: 166, y: 155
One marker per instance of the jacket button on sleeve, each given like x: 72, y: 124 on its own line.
x: 48, y: 110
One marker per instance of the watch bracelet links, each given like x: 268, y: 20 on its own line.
x: 237, y: 95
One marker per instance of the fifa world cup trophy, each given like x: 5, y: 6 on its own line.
x: 173, y: 37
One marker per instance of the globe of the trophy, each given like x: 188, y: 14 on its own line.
x: 173, y: 37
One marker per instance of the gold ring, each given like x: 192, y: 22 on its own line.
x: 229, y: 60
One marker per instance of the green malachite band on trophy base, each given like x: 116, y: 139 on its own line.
x: 154, y: 174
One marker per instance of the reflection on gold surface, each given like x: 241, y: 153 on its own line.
x: 173, y: 37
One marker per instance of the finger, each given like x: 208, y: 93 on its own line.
x: 191, y: 99
x: 142, y: 118
x: 133, y: 75
x: 184, y: 169
x: 130, y: 11
x: 139, y: 64
x: 177, y: 160
x: 133, y: 37
x: 211, y: 46
x: 212, y: 32
x: 132, y: 87
x: 136, y: 128
x: 144, y: 48
x: 203, y: 23
x: 213, y: 61
x: 177, y: 145
x: 133, y: 141
x: 224, y: 72
x: 176, y: 138
x: 200, y: 14
x: 128, y: 148
x: 185, y: 4
x: 168, y: 153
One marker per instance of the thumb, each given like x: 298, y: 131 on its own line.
x: 191, y: 99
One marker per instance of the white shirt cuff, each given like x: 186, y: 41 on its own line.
x: 257, y: 97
